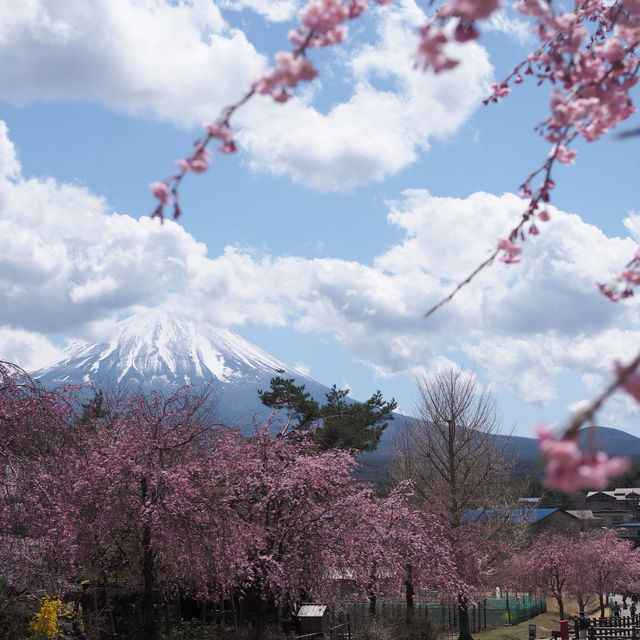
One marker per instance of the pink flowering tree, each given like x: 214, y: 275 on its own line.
x: 400, y: 544
x: 35, y: 425
x: 607, y: 564
x: 138, y: 494
x: 560, y: 565
x: 300, y: 508
x: 549, y: 565
x: 585, y: 56
x: 148, y: 490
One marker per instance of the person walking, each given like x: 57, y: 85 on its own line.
x: 583, y: 627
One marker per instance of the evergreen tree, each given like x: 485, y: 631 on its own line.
x: 340, y: 423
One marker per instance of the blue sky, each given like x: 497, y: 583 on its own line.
x: 345, y: 215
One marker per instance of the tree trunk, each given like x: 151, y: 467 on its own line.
x: 254, y: 610
x: 150, y: 631
x: 581, y: 605
x: 409, y: 594
x: 463, y: 619
x: 372, y: 604
x: 601, y: 597
x: 149, y: 578
x: 560, y: 606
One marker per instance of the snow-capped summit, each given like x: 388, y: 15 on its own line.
x: 156, y: 350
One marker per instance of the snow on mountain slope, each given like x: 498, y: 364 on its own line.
x: 155, y: 350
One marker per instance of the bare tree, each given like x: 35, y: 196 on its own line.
x: 453, y: 449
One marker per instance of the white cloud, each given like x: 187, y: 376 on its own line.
x: 66, y: 261
x: 303, y: 368
x: 182, y: 62
x: 176, y: 61
x: 387, y: 121
x: 509, y: 23
x: 632, y: 223
x: 30, y: 350
x: 274, y: 10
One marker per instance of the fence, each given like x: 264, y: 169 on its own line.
x: 513, y: 609
x: 614, y: 627
x: 438, y: 615
x: 486, y: 613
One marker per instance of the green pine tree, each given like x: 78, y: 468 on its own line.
x: 339, y: 423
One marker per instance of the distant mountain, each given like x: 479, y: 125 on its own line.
x: 525, y: 450
x: 157, y: 351
x: 612, y: 441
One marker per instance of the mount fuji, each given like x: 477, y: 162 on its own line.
x: 154, y: 350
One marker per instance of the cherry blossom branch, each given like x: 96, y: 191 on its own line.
x: 321, y: 22
x: 509, y: 249
x: 626, y: 378
x: 599, y: 78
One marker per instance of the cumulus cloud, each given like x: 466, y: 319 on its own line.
x: 274, y: 10
x: 183, y: 61
x: 66, y: 261
x: 524, y: 326
x: 29, y: 350
x: 177, y: 61
x: 389, y: 118
x: 507, y: 21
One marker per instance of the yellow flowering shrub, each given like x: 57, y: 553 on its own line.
x: 45, y: 624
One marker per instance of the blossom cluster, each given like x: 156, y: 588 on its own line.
x: 570, y: 469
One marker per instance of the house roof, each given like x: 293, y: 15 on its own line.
x: 583, y: 514
x: 617, y: 494
x: 530, y: 516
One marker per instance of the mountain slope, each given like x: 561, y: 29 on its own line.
x: 157, y: 351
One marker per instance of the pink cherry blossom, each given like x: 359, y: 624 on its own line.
x: 511, y: 251
x: 161, y: 191
x: 564, y: 155
x: 469, y: 10
x: 200, y: 160
x: 227, y: 147
x: 358, y: 7
x: 500, y: 90
x: 633, y: 277
x: 290, y: 70
x: 430, y: 53
x: 321, y: 16
x: 569, y: 469
x: 220, y: 131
